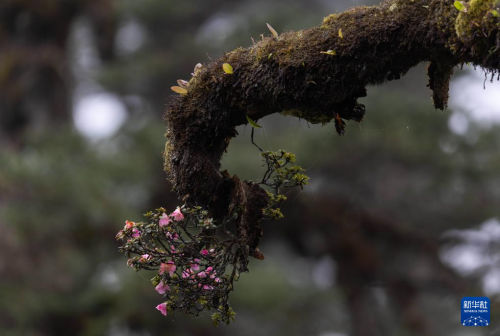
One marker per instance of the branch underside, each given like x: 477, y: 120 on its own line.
x: 291, y: 75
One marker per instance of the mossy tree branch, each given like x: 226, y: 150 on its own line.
x: 291, y: 75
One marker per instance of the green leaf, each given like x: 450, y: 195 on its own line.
x: 495, y: 13
x: 253, y: 123
x: 227, y: 68
x: 271, y: 29
x: 178, y: 89
x: 459, y: 5
x: 329, y: 52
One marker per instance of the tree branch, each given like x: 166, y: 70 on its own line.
x: 290, y: 75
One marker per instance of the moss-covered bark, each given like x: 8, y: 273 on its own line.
x: 291, y: 75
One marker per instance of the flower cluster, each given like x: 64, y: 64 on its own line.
x: 190, y: 261
x: 196, y: 258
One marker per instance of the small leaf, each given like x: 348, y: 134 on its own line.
x: 275, y: 34
x: 459, y: 5
x: 227, y: 68
x: 495, y: 13
x: 197, y: 67
x: 340, y: 33
x: 329, y: 52
x: 253, y: 123
x: 182, y: 83
x: 179, y: 89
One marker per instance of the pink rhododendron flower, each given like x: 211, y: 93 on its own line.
x: 204, y: 252
x: 187, y: 274
x: 172, y: 236
x: 202, y: 274
x: 119, y: 235
x: 217, y: 280
x: 195, y: 267
x: 211, y: 272
x: 169, y: 267
x: 162, y: 307
x: 177, y: 214
x: 144, y: 257
x: 165, y: 220
x: 162, y: 288
x: 129, y: 224
x: 136, y: 233
x: 206, y: 286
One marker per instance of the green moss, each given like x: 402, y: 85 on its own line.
x: 329, y: 20
x: 290, y: 74
x: 477, y: 15
x: 166, y: 164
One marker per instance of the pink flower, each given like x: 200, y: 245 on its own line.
x: 202, y: 275
x: 204, y: 252
x: 119, y: 235
x: 177, y: 214
x: 195, y: 267
x: 162, y: 288
x: 162, y: 307
x: 165, y: 220
x: 130, y: 263
x: 217, y: 280
x: 144, y: 257
x: 169, y: 267
x: 187, y: 274
x: 136, y: 233
x: 211, y: 272
x: 129, y: 224
x: 172, y: 236
x: 206, y: 286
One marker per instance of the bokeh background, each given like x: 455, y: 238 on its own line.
x: 400, y: 221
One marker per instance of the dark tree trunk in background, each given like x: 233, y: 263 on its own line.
x: 35, y: 79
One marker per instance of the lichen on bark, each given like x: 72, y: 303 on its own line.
x: 295, y: 75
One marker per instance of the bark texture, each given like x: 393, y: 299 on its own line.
x: 291, y: 75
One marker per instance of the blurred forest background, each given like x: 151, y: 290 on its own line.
x: 401, y: 219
